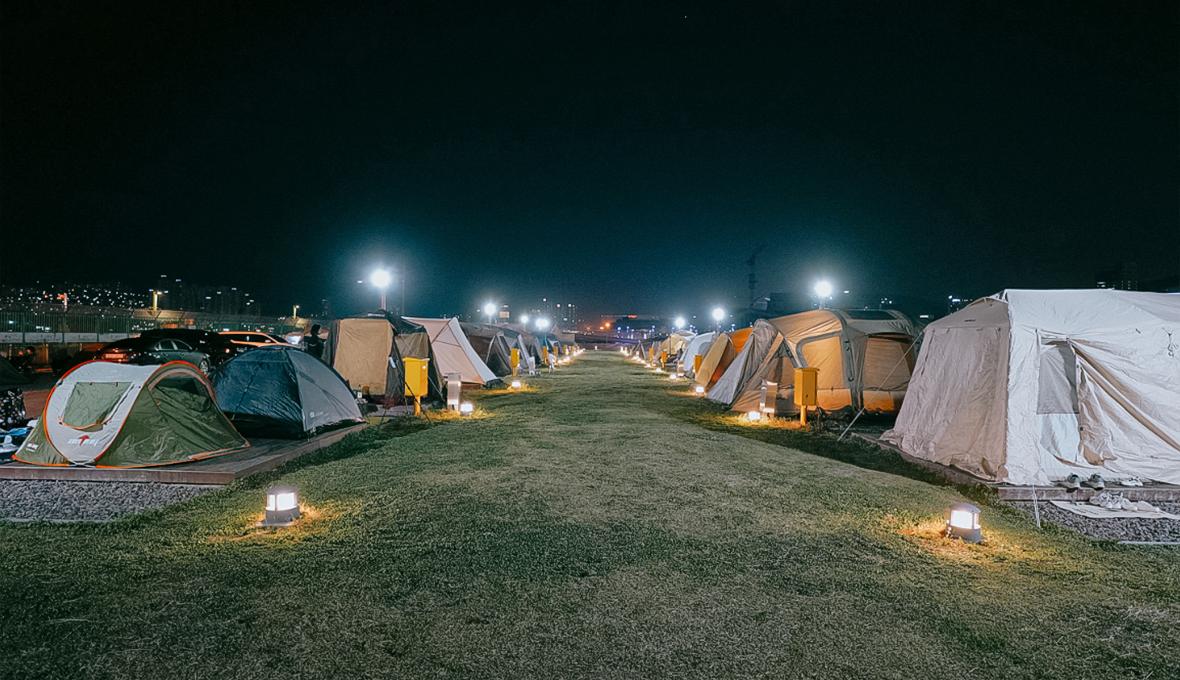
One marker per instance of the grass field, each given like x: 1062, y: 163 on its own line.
x: 604, y: 525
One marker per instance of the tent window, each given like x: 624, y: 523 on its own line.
x: 1057, y: 387
x: 887, y: 364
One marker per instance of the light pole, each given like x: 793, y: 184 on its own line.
x: 678, y: 323
x: 524, y: 319
x: 542, y: 324
x: 381, y: 278
x: 823, y: 290
x: 489, y: 309
x: 718, y: 316
x: 294, y: 312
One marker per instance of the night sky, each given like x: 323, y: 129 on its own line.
x: 625, y: 156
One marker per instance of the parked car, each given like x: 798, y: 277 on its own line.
x: 144, y: 350
x: 250, y: 339
x: 219, y: 349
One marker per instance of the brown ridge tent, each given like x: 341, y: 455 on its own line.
x: 368, y: 352
x: 491, y: 345
x: 864, y: 358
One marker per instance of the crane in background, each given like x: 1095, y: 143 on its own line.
x: 752, y: 282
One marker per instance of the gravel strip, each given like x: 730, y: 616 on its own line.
x: 1114, y: 529
x: 57, y: 501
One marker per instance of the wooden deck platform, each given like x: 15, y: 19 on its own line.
x: 1008, y: 492
x: 262, y: 455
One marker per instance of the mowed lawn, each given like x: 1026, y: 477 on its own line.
x: 604, y: 525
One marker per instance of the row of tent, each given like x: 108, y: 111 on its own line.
x: 1022, y: 387
x: 112, y: 415
x: 864, y: 359
x: 369, y: 351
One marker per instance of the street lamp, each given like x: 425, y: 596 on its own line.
x: 524, y: 318
x: 489, y: 309
x: 718, y: 316
x: 542, y: 324
x: 678, y: 323
x: 381, y: 278
x: 294, y: 312
x: 823, y: 290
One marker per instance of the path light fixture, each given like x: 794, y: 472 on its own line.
x: 699, y: 390
x: 962, y: 522
x: 466, y: 408
x: 753, y: 416
x: 454, y: 390
x: 516, y: 384
x: 282, y: 506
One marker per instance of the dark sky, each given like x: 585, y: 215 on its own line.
x: 627, y: 156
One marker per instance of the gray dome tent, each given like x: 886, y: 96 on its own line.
x: 283, y: 392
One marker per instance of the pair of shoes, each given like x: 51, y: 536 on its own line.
x: 1111, y: 501
x: 1071, y: 483
x: 1095, y: 482
x: 1131, y: 481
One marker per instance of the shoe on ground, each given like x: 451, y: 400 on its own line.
x: 1071, y: 483
x: 1095, y: 482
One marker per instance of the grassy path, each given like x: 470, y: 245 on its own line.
x: 604, y: 525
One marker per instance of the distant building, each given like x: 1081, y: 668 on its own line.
x: 1123, y: 277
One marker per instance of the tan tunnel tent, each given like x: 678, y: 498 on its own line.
x: 864, y: 359
x: 367, y: 351
x: 109, y: 415
x: 1030, y: 386
x: 721, y: 353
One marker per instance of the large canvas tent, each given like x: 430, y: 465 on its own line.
x: 864, y: 359
x: 283, y: 392
x: 104, y: 414
x: 1029, y: 386
x: 454, y: 353
x: 368, y: 352
x: 491, y: 345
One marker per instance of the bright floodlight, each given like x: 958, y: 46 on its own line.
x: 542, y: 324
x: 718, y: 314
x: 381, y: 278
x: 524, y: 318
x: 489, y: 308
x: 823, y: 289
x: 679, y: 322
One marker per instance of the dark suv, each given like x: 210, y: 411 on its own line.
x: 217, y: 347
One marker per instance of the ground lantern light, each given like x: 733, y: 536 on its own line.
x: 516, y: 384
x: 963, y: 522
x: 753, y: 416
x: 282, y: 506
x: 699, y: 389
x: 466, y: 408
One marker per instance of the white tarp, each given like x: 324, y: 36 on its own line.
x: 453, y: 352
x: 1028, y: 386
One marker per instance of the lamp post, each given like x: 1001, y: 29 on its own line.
x: 381, y: 278
x: 718, y: 316
x: 823, y: 290
x: 294, y: 312
x: 678, y: 323
x: 524, y: 319
x: 489, y: 309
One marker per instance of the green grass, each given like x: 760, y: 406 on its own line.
x: 602, y: 525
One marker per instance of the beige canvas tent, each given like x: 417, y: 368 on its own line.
x: 1029, y: 386
x: 864, y: 359
x: 697, y: 346
x: 453, y: 352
